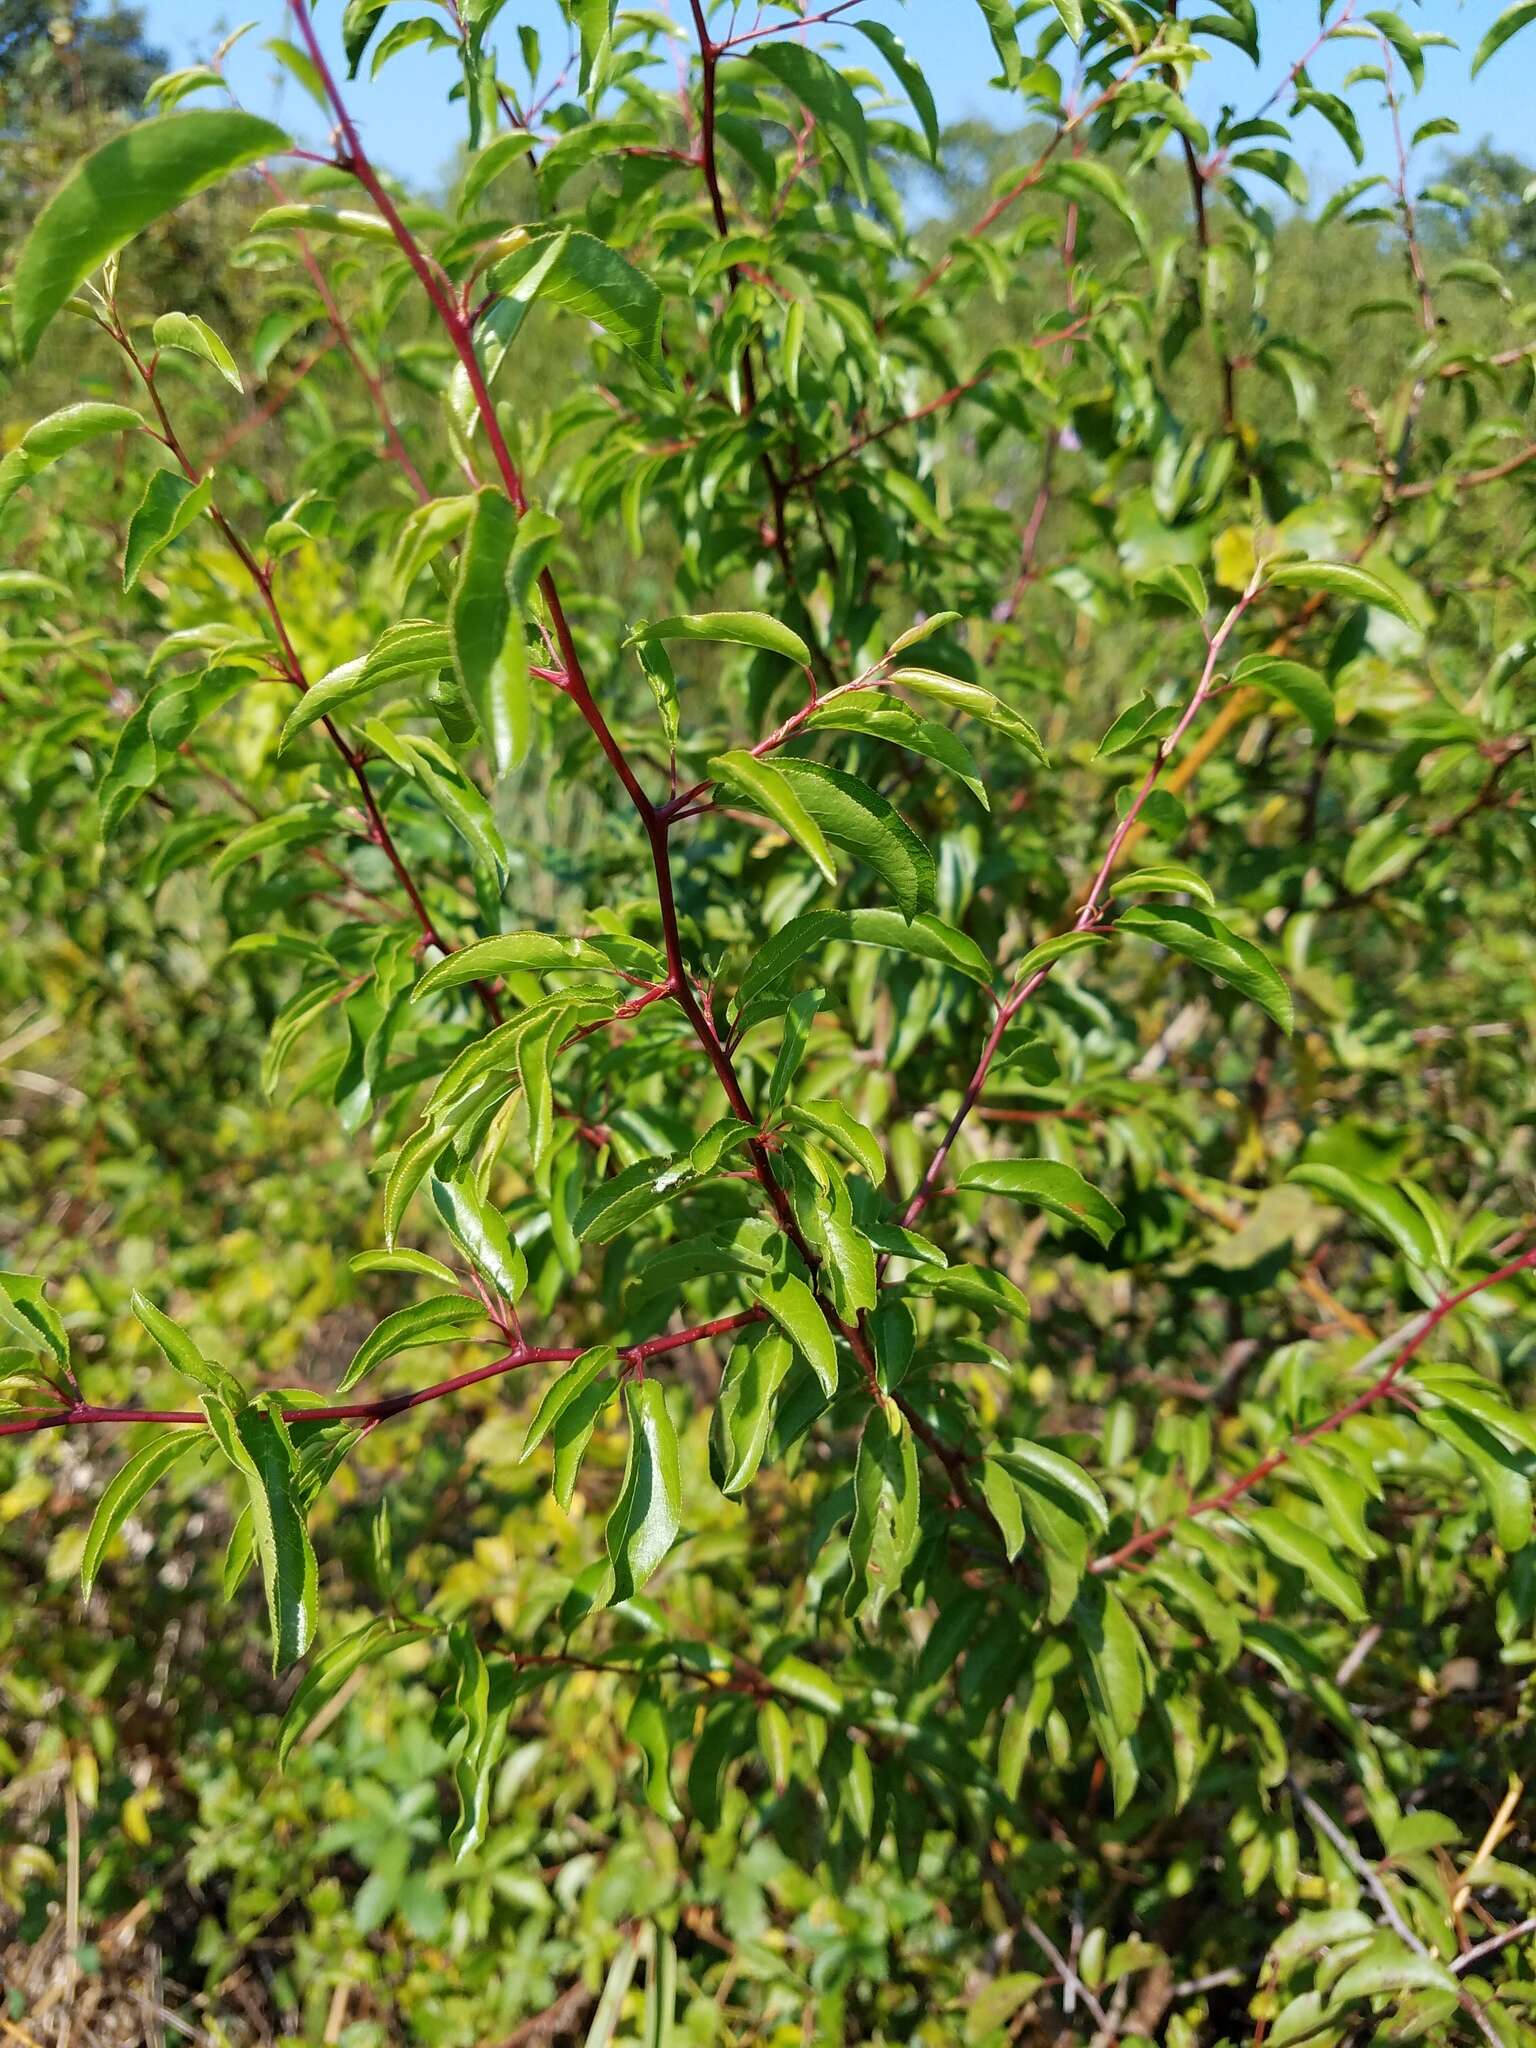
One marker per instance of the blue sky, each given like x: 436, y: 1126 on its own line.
x: 409, y: 126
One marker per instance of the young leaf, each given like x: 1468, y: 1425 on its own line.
x: 1060, y: 1190
x: 126, y: 1488
x: 191, y: 333
x: 184, y: 1354
x: 53, y: 436
x: 168, y: 507
x: 1164, y: 878
x: 736, y: 629
x: 436, y: 1320
x: 142, y: 172
x: 975, y: 702
x: 648, y: 1512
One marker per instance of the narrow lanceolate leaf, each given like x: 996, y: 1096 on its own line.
x: 127, y: 1487
x: 614, y: 1204
x: 886, y: 1494
x: 1509, y: 23
x: 436, y: 1320
x: 794, y: 1308
x: 480, y: 1232
x: 184, y: 1354
x: 1302, y: 688
x: 1047, y: 1184
x: 858, y: 818
x: 415, y: 647
x: 120, y: 188
x: 329, y: 1671
x: 566, y: 1388
x: 1339, y: 579
x: 738, y: 629
x: 1207, y: 942
x: 826, y: 95
x: 1114, y: 1656
x: 1385, y: 1209
x: 648, y: 1512
x: 193, y: 335
x: 168, y: 507
x: 760, y: 786
x: 480, y: 614
x: 915, y: 84
x: 256, y: 1442
x: 744, y: 1408
x: 1313, y: 1557
x: 975, y: 702
x: 575, y: 270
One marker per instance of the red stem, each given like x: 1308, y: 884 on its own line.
x: 1149, y: 1539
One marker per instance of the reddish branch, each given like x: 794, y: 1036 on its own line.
x: 261, y: 576
x: 1088, y: 916
x: 1403, y: 1347
x: 656, y: 823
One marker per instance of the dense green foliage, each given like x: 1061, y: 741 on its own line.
x: 765, y: 1023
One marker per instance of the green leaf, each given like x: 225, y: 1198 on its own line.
x: 999, y: 16
x: 404, y: 1261
x: 120, y: 188
x: 126, y: 1488
x: 1180, y: 581
x: 256, y: 1442
x: 648, y: 1512
x: 527, y: 953
x: 1137, y: 724
x: 794, y: 1308
x: 1499, y: 1472
x: 975, y: 702
x: 53, y: 436
x: 647, y: 1729
x: 802, y: 1681
x: 826, y: 95
x: 480, y: 1232
x: 1311, y: 1556
x: 329, y: 1671
x: 885, y: 718
x: 168, y: 507
x: 189, y: 332
x: 1046, y: 1184
x: 495, y: 158
x: 763, y: 788
x: 436, y: 1320
x: 184, y: 1354
x: 1164, y: 878
x: 886, y: 1495
x: 1114, y: 1656
x: 614, y: 1204
x: 858, y: 819
x: 414, y: 647
x: 1206, y: 941
x: 735, y: 629
x: 923, y: 937
x: 480, y: 614
x: 1509, y: 23
x: 742, y: 1423
x: 1037, y: 1464
x: 576, y: 271
x: 910, y: 74
x: 831, y: 1120
x: 565, y: 1388
x: 328, y: 220
x: 1339, y: 579
x: 1389, y: 1966
x: 1302, y: 688
x: 1380, y: 1206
